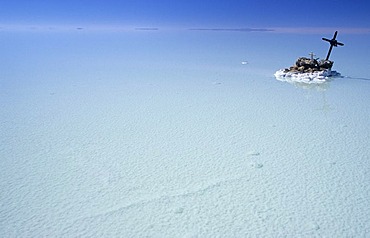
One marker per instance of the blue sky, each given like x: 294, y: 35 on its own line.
x: 225, y: 13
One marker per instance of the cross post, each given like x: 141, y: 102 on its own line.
x: 333, y: 42
x: 312, y: 55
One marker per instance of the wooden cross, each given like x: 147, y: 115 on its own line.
x: 312, y: 55
x: 333, y: 42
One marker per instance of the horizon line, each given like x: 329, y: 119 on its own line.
x: 146, y: 27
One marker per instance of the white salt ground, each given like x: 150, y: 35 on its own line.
x: 190, y: 158
x: 309, y: 78
x: 158, y: 149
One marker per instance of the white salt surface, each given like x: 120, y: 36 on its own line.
x: 130, y: 150
x: 309, y: 78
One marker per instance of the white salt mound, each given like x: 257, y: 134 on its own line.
x: 309, y: 78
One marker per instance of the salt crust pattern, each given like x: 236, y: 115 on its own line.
x: 309, y: 78
x: 214, y: 161
x: 144, y: 137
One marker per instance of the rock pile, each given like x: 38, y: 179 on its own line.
x: 307, y: 65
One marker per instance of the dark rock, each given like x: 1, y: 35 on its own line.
x: 326, y: 64
x: 307, y: 65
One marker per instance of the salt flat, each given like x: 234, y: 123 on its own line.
x: 162, y: 135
